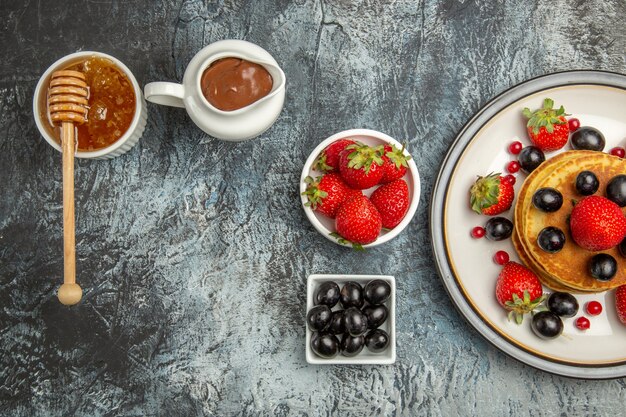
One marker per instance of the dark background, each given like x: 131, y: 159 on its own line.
x: 193, y: 253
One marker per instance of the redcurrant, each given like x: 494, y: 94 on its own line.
x: 619, y: 152
x: 515, y: 147
x: 478, y: 232
x: 582, y: 323
x: 510, y: 179
x: 501, y: 257
x: 513, y: 167
x: 594, y: 308
x: 573, y: 124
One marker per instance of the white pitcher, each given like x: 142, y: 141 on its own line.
x: 236, y: 125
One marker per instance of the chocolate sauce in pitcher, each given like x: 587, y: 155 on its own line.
x: 234, y: 83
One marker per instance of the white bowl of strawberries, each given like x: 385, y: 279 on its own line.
x: 360, y: 188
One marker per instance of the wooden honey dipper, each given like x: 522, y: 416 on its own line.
x: 67, y: 104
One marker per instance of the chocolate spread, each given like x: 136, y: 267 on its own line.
x: 233, y: 83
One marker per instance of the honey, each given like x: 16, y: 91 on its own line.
x: 112, y: 104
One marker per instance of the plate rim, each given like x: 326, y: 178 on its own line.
x: 436, y: 217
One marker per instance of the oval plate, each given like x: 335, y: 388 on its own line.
x: 465, y: 265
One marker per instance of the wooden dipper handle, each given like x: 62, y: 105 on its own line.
x: 67, y: 104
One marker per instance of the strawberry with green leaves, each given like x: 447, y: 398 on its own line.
x: 547, y: 127
x: 357, y: 222
x: 392, y: 202
x: 361, y: 166
x: 328, y: 159
x: 327, y: 193
x: 491, y: 195
x: 395, y: 163
x: 518, y: 290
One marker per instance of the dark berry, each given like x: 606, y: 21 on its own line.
x: 587, y: 183
x: 515, y: 147
x: 563, y: 304
x: 588, y: 138
x: 319, y: 317
x: 548, y: 199
x: 354, y: 321
x: 324, y: 345
x: 530, y: 158
x: 583, y: 323
x: 377, y: 291
x: 622, y: 248
x: 551, y: 239
x: 377, y: 340
x: 376, y: 315
x: 616, y: 190
x: 593, y: 308
x: 573, y: 124
x: 501, y: 257
x: 498, y: 228
x: 352, y: 345
x: 336, y: 325
x: 619, y: 152
x: 328, y: 294
x: 513, y: 167
x: 351, y: 295
x: 603, y: 267
x: 546, y: 325
x: 478, y: 232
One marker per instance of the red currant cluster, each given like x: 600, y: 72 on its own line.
x: 593, y: 308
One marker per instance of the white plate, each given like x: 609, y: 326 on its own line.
x: 388, y: 356
x: 326, y: 225
x: 597, y: 99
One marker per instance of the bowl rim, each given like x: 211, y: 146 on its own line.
x: 115, y: 145
x: 389, y: 359
x: 412, y: 170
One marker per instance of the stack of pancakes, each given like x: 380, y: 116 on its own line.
x: 569, y: 269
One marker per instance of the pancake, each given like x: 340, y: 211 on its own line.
x: 545, y: 279
x: 524, y: 196
x: 524, y: 199
x: 567, y: 269
x: 570, y: 266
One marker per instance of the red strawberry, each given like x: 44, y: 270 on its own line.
x: 357, y: 222
x: 547, y: 128
x: 395, y: 164
x: 620, y: 303
x: 491, y: 195
x: 518, y: 290
x: 361, y: 165
x: 328, y: 159
x: 392, y: 202
x: 597, y: 223
x: 326, y: 193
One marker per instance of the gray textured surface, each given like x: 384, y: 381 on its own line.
x: 194, y: 252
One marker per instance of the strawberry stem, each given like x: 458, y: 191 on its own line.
x: 397, y: 157
x: 485, y: 192
x: 520, y: 306
x: 355, y: 246
x: 545, y: 117
x: 364, y: 156
x: 313, y: 192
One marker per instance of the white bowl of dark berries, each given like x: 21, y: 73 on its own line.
x: 360, y: 188
x: 351, y: 320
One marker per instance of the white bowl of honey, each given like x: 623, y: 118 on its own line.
x: 117, y: 110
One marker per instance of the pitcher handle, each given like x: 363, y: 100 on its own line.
x: 168, y: 94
